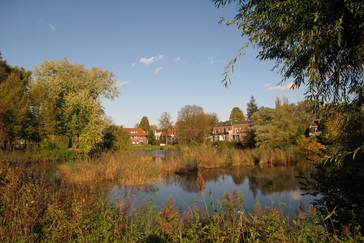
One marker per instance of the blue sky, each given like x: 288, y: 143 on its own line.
x: 165, y: 53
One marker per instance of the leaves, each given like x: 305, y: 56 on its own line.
x: 72, y: 100
x: 317, y: 43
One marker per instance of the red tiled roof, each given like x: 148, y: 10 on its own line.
x: 136, y: 131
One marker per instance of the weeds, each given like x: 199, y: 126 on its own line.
x: 34, y: 210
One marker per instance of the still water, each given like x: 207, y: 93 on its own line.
x: 268, y: 185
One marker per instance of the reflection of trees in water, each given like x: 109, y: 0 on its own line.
x: 186, y: 181
x: 130, y: 193
x: 239, y: 174
x: 269, y: 179
x: 272, y: 179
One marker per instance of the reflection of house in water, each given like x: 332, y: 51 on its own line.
x: 233, y: 131
x: 314, y: 129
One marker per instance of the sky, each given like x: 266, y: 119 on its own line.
x: 165, y: 54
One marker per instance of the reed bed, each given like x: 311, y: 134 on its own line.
x: 128, y: 168
x: 207, y: 157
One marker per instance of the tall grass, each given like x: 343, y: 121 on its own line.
x: 50, y: 210
x: 204, y: 156
x: 125, y: 168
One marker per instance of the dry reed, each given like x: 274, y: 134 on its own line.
x: 129, y: 168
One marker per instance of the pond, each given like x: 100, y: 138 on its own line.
x: 268, y: 185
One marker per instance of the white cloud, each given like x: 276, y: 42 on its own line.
x: 150, y: 60
x: 121, y: 84
x: 53, y: 28
x: 286, y: 88
x: 212, y: 60
x: 133, y: 65
x: 158, y: 70
x: 177, y: 59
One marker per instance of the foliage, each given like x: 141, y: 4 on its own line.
x: 193, y: 124
x: 165, y: 124
x: 17, y: 118
x: 251, y: 108
x: 279, y: 126
x: 236, y: 115
x: 310, y: 145
x: 340, y: 174
x: 144, y: 124
x: 72, y: 96
x: 316, y: 43
x: 5, y: 69
x: 273, y: 127
x: 116, y: 138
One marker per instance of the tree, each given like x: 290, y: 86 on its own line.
x: 17, y: 117
x: 319, y: 44
x: 5, y: 69
x: 252, y: 107
x: 316, y: 43
x: 116, y: 138
x: 165, y: 124
x: 193, y: 124
x: 278, y: 102
x: 144, y: 124
x: 72, y: 100
x: 273, y: 127
x: 276, y: 127
x: 236, y: 115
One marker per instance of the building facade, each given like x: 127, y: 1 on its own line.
x: 314, y: 129
x: 138, y: 136
x: 232, y: 131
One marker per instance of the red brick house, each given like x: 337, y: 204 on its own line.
x: 138, y: 136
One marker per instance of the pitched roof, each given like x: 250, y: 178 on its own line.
x: 136, y: 131
x: 230, y: 123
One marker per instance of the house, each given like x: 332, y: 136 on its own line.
x: 138, y: 136
x: 314, y: 129
x: 172, y: 137
x: 232, y: 131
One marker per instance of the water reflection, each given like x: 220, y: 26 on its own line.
x: 264, y: 184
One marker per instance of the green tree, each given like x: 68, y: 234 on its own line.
x: 236, y: 115
x: 72, y: 100
x: 14, y: 94
x: 251, y: 108
x: 193, y: 124
x: 316, y: 43
x: 144, y: 124
x: 116, y: 138
x: 273, y: 127
x: 165, y: 124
